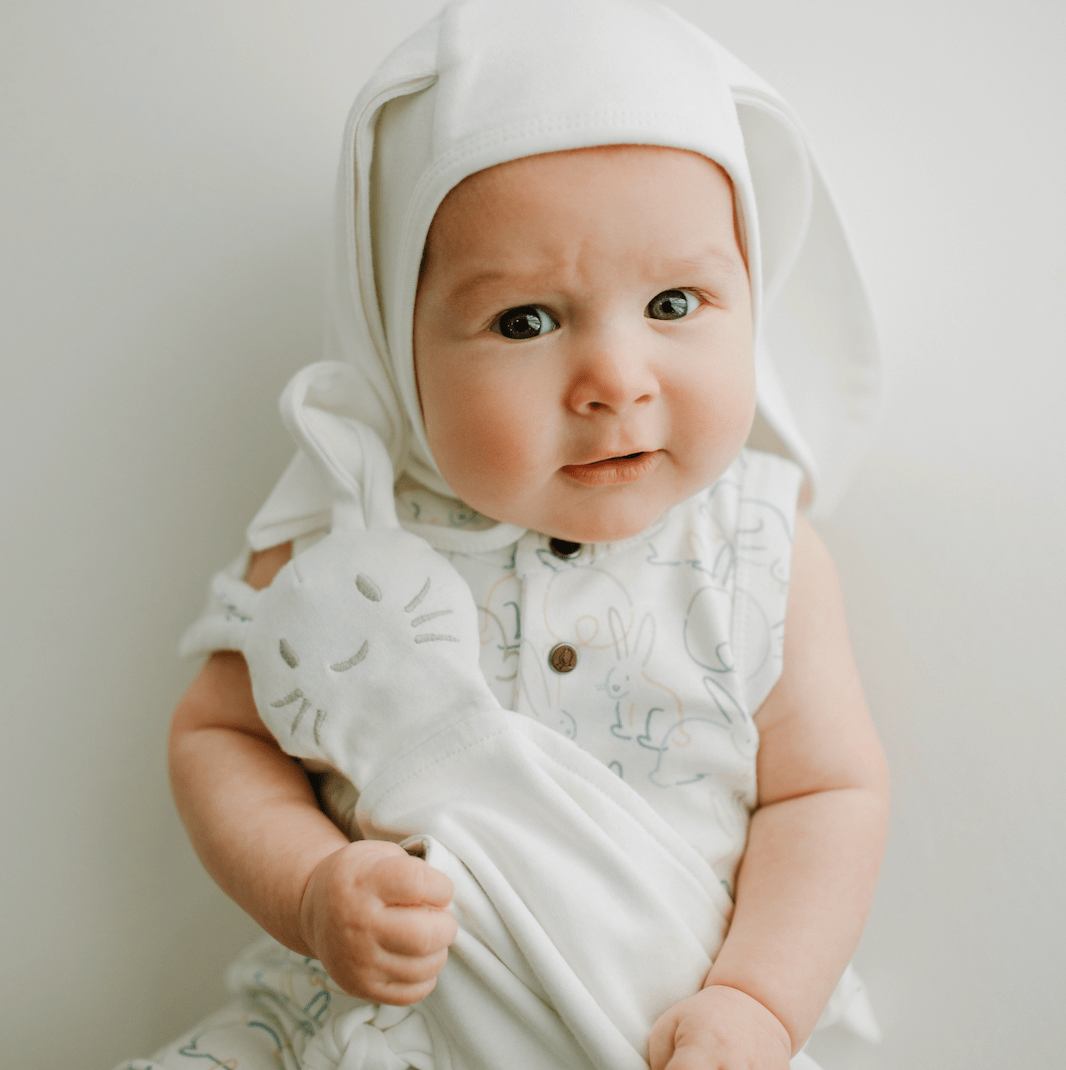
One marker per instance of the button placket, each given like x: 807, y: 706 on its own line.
x: 538, y: 562
x: 562, y: 658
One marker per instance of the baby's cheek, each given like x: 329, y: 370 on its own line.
x: 722, y: 411
x: 489, y: 438
x: 488, y: 463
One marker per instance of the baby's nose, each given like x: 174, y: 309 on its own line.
x: 612, y: 375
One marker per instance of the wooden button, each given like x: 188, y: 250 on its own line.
x: 562, y: 657
x: 562, y: 548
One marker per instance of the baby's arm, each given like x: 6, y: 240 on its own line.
x: 807, y: 877
x: 373, y: 915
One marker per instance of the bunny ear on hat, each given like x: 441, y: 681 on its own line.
x: 466, y: 92
x: 818, y: 363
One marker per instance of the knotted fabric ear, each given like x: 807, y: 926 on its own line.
x: 318, y: 408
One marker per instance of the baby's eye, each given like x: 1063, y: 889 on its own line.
x: 672, y: 305
x: 526, y: 321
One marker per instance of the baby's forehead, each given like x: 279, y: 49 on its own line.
x: 625, y: 200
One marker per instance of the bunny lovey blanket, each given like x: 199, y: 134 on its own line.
x: 571, y: 971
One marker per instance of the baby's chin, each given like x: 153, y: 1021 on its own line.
x: 594, y: 525
x: 586, y: 531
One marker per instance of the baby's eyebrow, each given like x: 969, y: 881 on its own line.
x: 714, y: 258
x: 469, y: 289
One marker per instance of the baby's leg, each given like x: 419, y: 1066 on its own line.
x: 288, y: 1015
x: 243, y: 1034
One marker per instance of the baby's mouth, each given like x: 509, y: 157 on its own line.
x: 615, y: 460
x: 626, y: 468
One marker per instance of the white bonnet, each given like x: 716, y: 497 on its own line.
x: 488, y: 81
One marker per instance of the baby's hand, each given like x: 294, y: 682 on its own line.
x: 377, y: 920
x: 719, y: 1028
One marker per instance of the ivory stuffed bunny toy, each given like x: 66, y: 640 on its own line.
x: 366, y: 644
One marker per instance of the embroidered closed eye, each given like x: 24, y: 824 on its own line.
x: 368, y: 588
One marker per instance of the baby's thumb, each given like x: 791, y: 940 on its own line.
x: 410, y: 882
x: 437, y: 887
x: 661, y: 1042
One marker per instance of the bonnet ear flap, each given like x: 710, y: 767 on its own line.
x: 318, y: 407
x: 818, y: 366
x: 355, y: 331
x: 303, y: 499
x: 820, y: 333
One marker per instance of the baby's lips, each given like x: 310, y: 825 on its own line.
x: 606, y: 456
x: 613, y: 469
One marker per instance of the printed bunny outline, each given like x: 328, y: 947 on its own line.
x: 732, y: 719
x: 697, y: 539
x: 488, y: 623
x: 192, y: 1049
x: 766, y: 640
x: 630, y: 667
x: 743, y: 544
x: 509, y: 644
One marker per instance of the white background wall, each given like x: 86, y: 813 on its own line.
x: 166, y: 179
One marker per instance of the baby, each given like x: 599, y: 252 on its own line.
x: 555, y: 307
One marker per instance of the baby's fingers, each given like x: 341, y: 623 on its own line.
x: 399, y: 993
x: 410, y: 970
x: 399, y: 980
x: 406, y: 976
x: 416, y: 932
x: 403, y: 881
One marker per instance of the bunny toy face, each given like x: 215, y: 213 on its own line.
x: 362, y: 647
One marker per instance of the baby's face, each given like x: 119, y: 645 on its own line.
x: 583, y: 338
